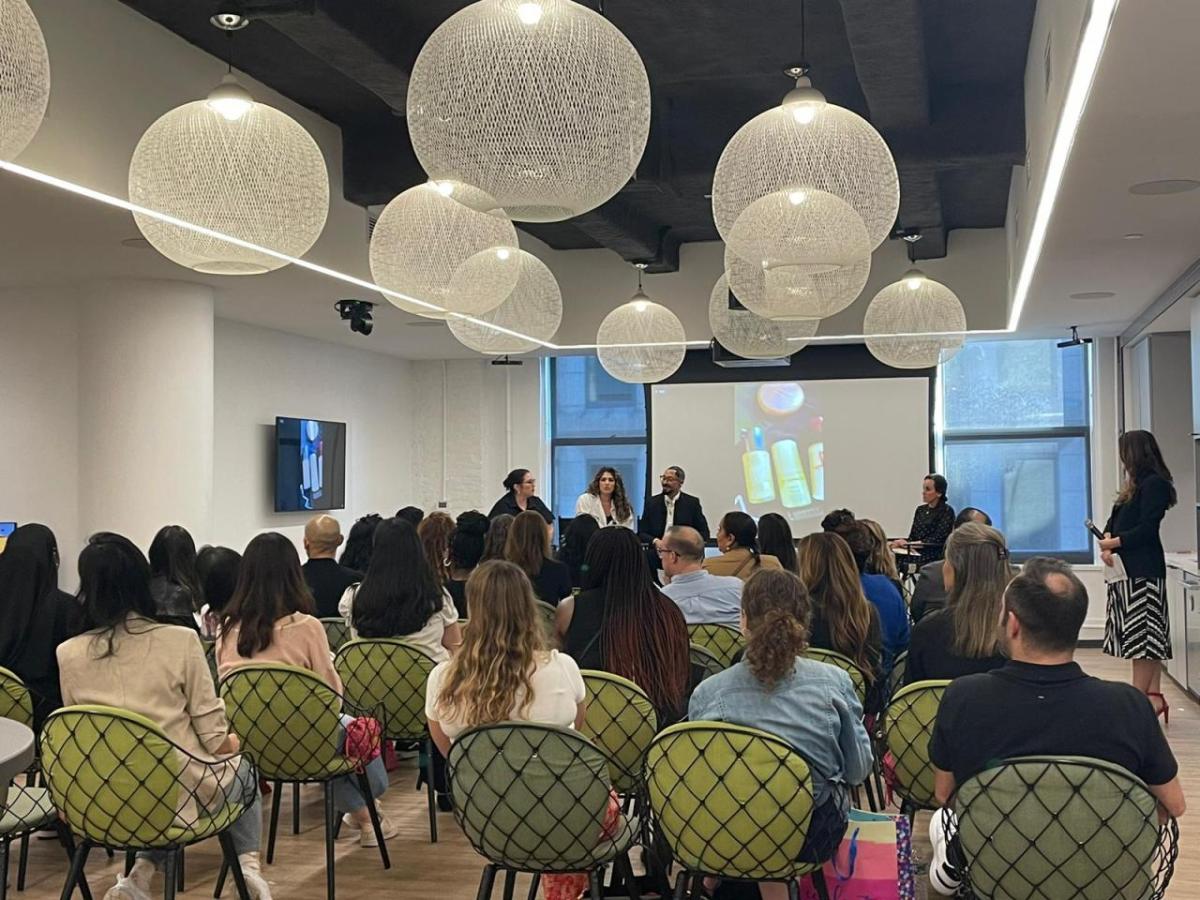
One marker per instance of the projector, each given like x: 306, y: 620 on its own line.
x: 1075, y: 340
x: 727, y: 359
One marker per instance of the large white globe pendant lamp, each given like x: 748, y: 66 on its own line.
x: 785, y: 292
x: 544, y: 104
x: 808, y: 143
x: 445, y: 243
x: 24, y: 77
x: 751, y: 336
x: 915, y: 323
x: 234, y: 166
x: 533, y: 308
x: 811, y: 230
x: 641, y: 341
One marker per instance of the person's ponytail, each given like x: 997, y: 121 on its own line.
x: 777, y: 610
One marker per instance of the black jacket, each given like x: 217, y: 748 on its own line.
x: 687, y: 512
x: 1137, y: 523
x: 328, y: 580
x: 508, y: 504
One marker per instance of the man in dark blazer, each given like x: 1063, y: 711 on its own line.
x: 671, y: 507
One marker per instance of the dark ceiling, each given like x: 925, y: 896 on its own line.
x: 942, y: 80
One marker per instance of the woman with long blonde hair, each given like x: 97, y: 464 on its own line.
x: 843, y: 620
x: 528, y: 547
x: 883, y: 560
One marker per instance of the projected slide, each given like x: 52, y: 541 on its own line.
x: 799, y: 449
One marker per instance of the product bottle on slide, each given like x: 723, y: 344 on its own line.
x: 816, y: 464
x: 789, y: 471
x: 756, y: 467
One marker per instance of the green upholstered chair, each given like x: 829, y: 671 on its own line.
x: 532, y: 798
x: 27, y: 809
x: 289, y: 723
x: 388, y: 675
x: 210, y: 656
x: 731, y: 801
x: 16, y: 702
x: 704, y: 662
x: 1045, y: 828
x: 722, y: 641
x: 621, y: 721
x: 337, y: 631
x: 120, y: 782
x: 549, y: 617
x: 896, y: 676
x: 857, y: 676
x: 908, y: 728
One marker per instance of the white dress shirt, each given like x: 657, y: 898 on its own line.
x: 590, y: 505
x: 670, y: 503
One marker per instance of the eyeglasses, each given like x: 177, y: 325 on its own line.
x: 663, y: 551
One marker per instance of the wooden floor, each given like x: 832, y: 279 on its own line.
x: 449, y: 870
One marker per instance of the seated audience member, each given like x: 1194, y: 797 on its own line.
x: 497, y: 537
x: 434, y: 531
x: 701, y: 596
x: 35, y: 616
x: 465, y: 551
x: 505, y: 673
x: 884, y: 596
x: 810, y: 705
x: 775, y: 539
x: 883, y: 560
x: 356, y: 554
x: 929, y: 594
x: 326, y: 578
x: 622, y: 623
x: 528, y: 546
x: 573, y: 547
x: 399, y: 596
x: 843, y: 620
x: 737, y: 539
x: 838, y: 521
x: 965, y: 637
x: 217, y: 569
x: 1040, y: 703
x: 128, y: 659
x: 413, y: 515
x: 269, y: 620
x: 173, y: 582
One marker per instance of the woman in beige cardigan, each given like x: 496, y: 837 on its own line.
x: 737, y: 539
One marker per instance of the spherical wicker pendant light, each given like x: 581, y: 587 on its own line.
x: 810, y: 230
x: 533, y: 308
x: 808, y: 143
x: 751, y: 336
x: 445, y: 243
x: 925, y: 317
x: 641, y: 341
x: 784, y: 292
x: 24, y: 77
x: 237, y: 167
x: 544, y: 104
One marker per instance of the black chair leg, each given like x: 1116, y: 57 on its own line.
x: 275, y: 794
x: 486, y: 881
x: 597, y: 892
x: 179, y: 872
x: 364, y: 785
x: 296, y: 808
x: 130, y: 858
x: 430, y: 791
x: 76, y: 872
x: 793, y: 889
x: 623, y: 867
x: 534, y: 884
x: 68, y: 842
x: 681, y: 884
x: 4, y: 869
x: 329, y: 814
x: 510, y: 883
x: 818, y: 883
x: 221, y: 880
x: 871, y: 795
x: 231, y: 864
x: 170, y: 874
x: 23, y: 861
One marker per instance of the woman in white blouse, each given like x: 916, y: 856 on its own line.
x: 605, y: 500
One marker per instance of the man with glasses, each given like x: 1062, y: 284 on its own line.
x: 700, y: 595
x: 671, y: 507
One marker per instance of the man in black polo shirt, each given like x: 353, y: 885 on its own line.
x: 1042, y: 704
x: 326, y: 579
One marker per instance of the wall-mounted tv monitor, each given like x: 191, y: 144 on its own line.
x: 310, y: 465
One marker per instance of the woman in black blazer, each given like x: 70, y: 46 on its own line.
x: 1137, y: 627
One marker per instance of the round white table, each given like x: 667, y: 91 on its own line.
x: 16, y: 751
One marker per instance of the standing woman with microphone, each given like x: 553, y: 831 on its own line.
x: 1137, y: 627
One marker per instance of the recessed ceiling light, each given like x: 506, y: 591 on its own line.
x: 137, y: 243
x: 1164, y: 186
x: 1134, y: 236
x: 1093, y: 295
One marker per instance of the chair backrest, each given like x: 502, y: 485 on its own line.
x: 386, y: 677
x: 16, y: 702
x: 896, y: 676
x: 1048, y: 828
x: 114, y: 775
x: 337, y: 632
x: 621, y: 721
x: 831, y: 657
x: 549, y: 616
x: 287, y: 718
x: 704, y: 662
x: 210, y: 656
x: 531, y: 797
x: 730, y: 800
x: 908, y: 727
x: 722, y: 641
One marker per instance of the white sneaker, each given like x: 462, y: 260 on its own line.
x: 367, y: 837
x: 944, y: 878
x: 126, y: 889
x: 348, y: 823
x: 256, y: 885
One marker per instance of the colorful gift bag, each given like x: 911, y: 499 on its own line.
x: 873, y: 862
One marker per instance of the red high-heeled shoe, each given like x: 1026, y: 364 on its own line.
x: 1164, y: 710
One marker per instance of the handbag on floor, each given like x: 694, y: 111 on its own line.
x: 873, y: 862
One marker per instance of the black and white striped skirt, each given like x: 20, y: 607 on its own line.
x: 1137, y: 626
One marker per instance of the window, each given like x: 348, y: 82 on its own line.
x: 1016, y: 442
x: 595, y: 420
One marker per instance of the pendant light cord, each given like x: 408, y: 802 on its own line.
x: 803, y: 37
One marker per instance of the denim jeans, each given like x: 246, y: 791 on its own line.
x: 246, y: 832
x: 346, y: 795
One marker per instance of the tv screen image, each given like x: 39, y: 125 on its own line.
x: 310, y: 464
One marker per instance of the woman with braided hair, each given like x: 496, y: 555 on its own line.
x: 622, y: 623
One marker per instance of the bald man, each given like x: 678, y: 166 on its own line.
x: 700, y: 595
x: 326, y: 579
